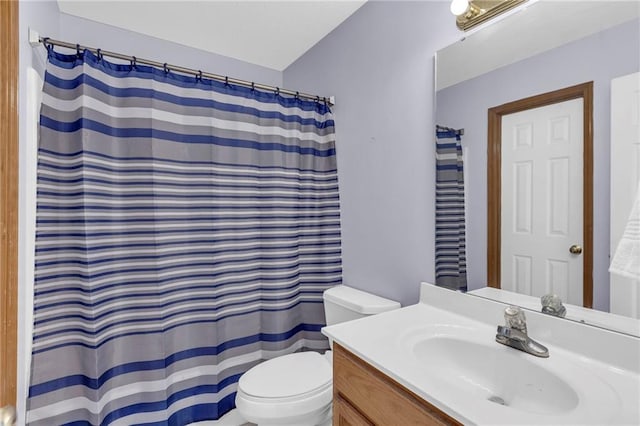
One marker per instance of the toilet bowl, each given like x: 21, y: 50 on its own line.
x: 297, y: 389
x: 294, y: 389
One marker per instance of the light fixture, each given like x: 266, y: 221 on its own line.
x: 458, y: 7
x: 470, y: 13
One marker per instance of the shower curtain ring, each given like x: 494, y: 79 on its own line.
x: 78, y: 50
x: 253, y: 86
x: 297, y: 95
x: 277, y: 91
x: 166, y: 68
x: 133, y: 62
x: 99, y: 54
x: 226, y: 80
x: 199, y: 76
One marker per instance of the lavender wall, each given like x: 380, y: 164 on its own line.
x: 379, y: 65
x: 597, y: 58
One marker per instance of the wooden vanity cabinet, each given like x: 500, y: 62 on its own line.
x: 364, y: 396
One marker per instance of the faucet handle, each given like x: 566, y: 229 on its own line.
x: 504, y: 332
x: 514, y: 318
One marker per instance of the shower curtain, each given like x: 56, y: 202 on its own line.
x: 186, y: 230
x: 451, y: 260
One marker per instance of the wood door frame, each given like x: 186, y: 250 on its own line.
x: 9, y: 158
x: 494, y: 176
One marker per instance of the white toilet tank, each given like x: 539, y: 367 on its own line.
x: 342, y: 303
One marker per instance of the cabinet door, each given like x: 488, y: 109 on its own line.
x: 383, y: 401
x: 345, y: 415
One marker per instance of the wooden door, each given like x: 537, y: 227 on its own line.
x: 542, y: 188
x: 494, y: 180
x: 8, y: 200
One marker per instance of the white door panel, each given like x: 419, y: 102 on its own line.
x: 625, y: 174
x: 542, y: 181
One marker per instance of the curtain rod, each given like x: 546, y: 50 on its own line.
x: 168, y: 67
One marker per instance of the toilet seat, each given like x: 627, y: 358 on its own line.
x: 291, y: 387
x: 292, y: 375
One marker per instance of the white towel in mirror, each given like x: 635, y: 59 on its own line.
x: 626, y: 261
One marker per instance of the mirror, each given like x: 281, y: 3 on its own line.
x: 541, y: 48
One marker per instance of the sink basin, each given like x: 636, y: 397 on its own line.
x: 467, y: 363
x: 497, y: 374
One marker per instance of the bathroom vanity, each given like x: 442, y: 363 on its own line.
x: 437, y: 362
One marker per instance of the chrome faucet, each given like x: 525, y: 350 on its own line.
x: 514, y: 333
x: 552, y: 305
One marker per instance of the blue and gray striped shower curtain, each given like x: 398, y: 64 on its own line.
x: 186, y: 230
x: 451, y: 258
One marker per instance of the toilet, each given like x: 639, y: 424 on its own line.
x: 297, y: 389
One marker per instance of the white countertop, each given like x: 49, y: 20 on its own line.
x: 606, y: 380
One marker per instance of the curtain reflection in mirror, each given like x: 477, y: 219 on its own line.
x: 451, y: 262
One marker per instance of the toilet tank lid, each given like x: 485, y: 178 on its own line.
x: 359, y: 301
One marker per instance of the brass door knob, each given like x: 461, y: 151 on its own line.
x: 575, y: 249
x: 7, y: 415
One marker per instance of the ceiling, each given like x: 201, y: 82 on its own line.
x: 270, y: 33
